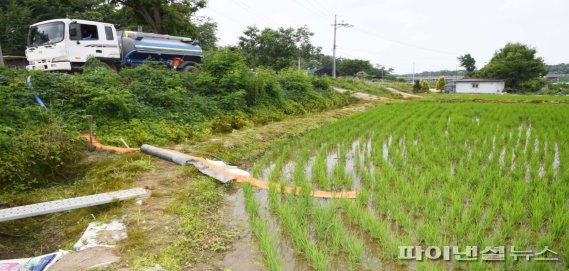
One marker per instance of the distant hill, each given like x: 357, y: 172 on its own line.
x: 436, y: 73
x: 562, y: 68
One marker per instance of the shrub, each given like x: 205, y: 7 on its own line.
x: 296, y: 84
x: 425, y: 86
x: 229, y: 122
x: 440, y: 83
x: 263, y: 87
x: 321, y: 83
x: 417, y: 86
x: 40, y: 153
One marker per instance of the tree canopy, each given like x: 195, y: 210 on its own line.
x: 518, y: 65
x: 468, y: 62
x: 562, y: 68
x: 277, y: 48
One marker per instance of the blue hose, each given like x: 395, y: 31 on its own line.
x: 36, y: 97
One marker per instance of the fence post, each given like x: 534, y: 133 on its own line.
x: 90, y: 120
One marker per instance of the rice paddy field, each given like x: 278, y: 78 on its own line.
x: 427, y: 174
x: 500, y: 98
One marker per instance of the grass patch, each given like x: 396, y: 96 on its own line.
x: 60, y: 230
x: 196, y: 233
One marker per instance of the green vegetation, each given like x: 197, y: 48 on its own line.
x: 362, y: 86
x: 147, y: 104
x: 440, y: 85
x: 555, y: 89
x: 425, y: 86
x: 261, y: 229
x: 196, y: 229
x: 562, y: 68
x: 417, y: 86
x: 276, y: 48
x: 36, y: 235
x: 516, y: 98
x: 468, y: 62
x: 430, y: 174
x: 519, y: 66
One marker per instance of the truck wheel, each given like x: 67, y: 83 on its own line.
x: 188, y: 68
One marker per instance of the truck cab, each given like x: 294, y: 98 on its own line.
x: 66, y: 44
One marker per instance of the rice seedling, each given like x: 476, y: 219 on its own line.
x: 267, y: 241
x: 429, y: 173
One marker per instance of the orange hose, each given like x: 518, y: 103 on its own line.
x: 239, y: 178
x: 100, y: 146
x: 265, y: 185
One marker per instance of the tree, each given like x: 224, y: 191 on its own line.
x: 163, y: 16
x: 350, y: 67
x: 14, y: 21
x: 417, y: 86
x: 277, y: 48
x: 425, y: 86
x: 518, y: 65
x: 468, y: 62
x: 562, y: 68
x: 17, y: 16
x: 361, y: 75
x: 205, y: 32
x: 441, y: 83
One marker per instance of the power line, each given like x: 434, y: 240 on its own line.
x: 323, y: 16
x: 323, y: 7
x: 254, y: 12
x: 370, y: 33
x: 226, y: 16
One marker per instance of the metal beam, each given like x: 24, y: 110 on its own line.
x: 69, y: 204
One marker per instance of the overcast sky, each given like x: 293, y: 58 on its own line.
x: 398, y: 33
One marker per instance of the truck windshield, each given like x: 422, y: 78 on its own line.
x: 46, y: 33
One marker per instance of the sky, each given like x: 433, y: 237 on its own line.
x: 400, y: 34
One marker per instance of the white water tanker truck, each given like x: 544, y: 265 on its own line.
x: 66, y: 44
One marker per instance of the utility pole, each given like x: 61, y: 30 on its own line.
x: 456, y: 76
x: 413, y: 72
x: 336, y: 26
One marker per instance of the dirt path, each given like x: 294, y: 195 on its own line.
x: 362, y: 95
x: 158, y: 222
x: 405, y: 95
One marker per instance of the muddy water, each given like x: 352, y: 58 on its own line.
x: 288, y: 172
x: 267, y: 171
x: 331, y: 160
x: 244, y: 254
x: 308, y: 169
x: 372, y: 260
x: 350, y: 164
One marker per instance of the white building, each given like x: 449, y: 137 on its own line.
x: 480, y: 86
